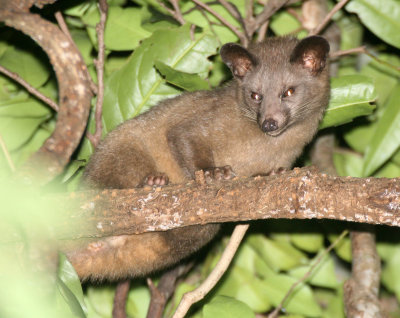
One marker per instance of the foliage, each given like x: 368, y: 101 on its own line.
x: 151, y: 57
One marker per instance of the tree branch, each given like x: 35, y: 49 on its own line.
x: 328, y: 17
x: 297, y: 194
x: 243, y: 39
x: 213, y: 278
x: 74, y: 92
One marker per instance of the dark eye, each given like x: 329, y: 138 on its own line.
x: 256, y: 97
x: 288, y: 92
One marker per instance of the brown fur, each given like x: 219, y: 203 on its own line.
x: 207, y: 129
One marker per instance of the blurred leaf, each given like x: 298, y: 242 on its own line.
x: 348, y: 164
x: 227, y: 307
x: 278, y: 255
x: 19, y: 121
x: 388, y: 170
x: 386, y: 250
x: 309, y: 242
x: 99, y: 301
x: 243, y: 285
x: 391, y: 274
x: 385, y: 78
x: 351, y: 32
x: 80, y: 9
x: 138, y: 300
x: 386, y: 139
x: 123, y: 29
x: 186, y: 81
x: 380, y: 17
x: 343, y: 248
x: 84, y: 45
x: 301, y: 300
x: 350, y: 97
x: 359, y: 136
x: 72, y: 168
x: 331, y: 302
x: 283, y: 23
x: 323, y: 275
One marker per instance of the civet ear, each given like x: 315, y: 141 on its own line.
x: 238, y: 59
x: 311, y: 53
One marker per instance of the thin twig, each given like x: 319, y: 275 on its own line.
x: 176, y: 13
x: 262, y: 32
x: 269, y: 9
x: 95, y: 138
x: 29, y: 88
x: 63, y: 26
x: 363, y: 50
x: 318, y: 260
x: 7, y: 154
x: 240, y: 35
x: 232, y: 9
x: 328, y: 17
x: 216, y: 274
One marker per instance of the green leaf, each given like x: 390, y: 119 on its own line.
x: 186, y: 81
x: 138, y: 301
x: 19, y: 121
x: 351, y: 32
x: 350, y: 97
x: 380, y: 17
x: 227, y: 307
x: 343, y: 248
x: 385, y: 77
x: 99, y: 301
x: 284, y: 23
x: 348, y: 164
x: 278, y: 255
x: 301, y: 300
x: 359, y: 135
x: 207, y: 21
x: 123, y: 29
x: 243, y: 285
x: 84, y: 45
x: 137, y: 86
x: 388, y: 170
x: 309, y: 242
x: 386, y: 139
x: 323, y: 274
x: 68, y: 275
x: 26, y: 64
x: 391, y: 274
x: 70, y: 287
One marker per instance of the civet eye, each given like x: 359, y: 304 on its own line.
x: 256, y: 97
x: 288, y: 92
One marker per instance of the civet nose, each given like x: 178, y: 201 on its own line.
x: 269, y: 125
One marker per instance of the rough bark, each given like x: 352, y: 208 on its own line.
x: 297, y: 194
x: 74, y: 89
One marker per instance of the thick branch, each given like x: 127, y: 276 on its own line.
x: 74, y: 92
x: 298, y: 194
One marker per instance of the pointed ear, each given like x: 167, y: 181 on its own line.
x: 238, y: 59
x: 312, y: 53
